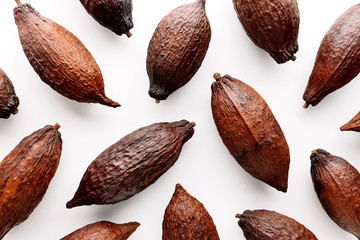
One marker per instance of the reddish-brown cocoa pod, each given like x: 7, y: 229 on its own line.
x: 25, y: 174
x: 353, y: 124
x: 186, y: 218
x: 177, y: 49
x: 273, y: 25
x: 60, y: 58
x: 269, y: 225
x: 8, y: 99
x: 336, y: 183
x: 337, y: 60
x: 132, y: 164
x: 250, y: 131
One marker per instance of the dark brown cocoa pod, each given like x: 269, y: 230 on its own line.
x: 336, y: 183
x: 25, y: 174
x: 132, y: 164
x: 269, y: 225
x: 60, y: 58
x: 250, y: 131
x: 272, y: 25
x: 8, y: 99
x: 353, y: 124
x: 103, y: 230
x: 186, y: 218
x: 177, y: 49
x: 337, y: 60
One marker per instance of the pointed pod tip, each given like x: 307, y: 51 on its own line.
x: 108, y: 102
x: 217, y: 76
x: 56, y: 126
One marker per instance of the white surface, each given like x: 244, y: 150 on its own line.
x: 205, y: 168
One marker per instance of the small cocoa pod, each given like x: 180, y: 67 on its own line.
x: 132, y: 164
x: 8, y: 99
x: 186, y: 218
x: 353, y: 124
x: 25, y: 174
x: 336, y: 183
x: 177, y: 49
x: 250, y: 131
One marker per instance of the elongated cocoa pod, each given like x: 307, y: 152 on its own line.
x: 25, y: 174
x: 132, y: 164
x: 186, y: 218
x: 269, y: 225
x: 250, y: 131
x: 353, y: 124
x: 337, y: 60
x: 8, y: 99
x: 60, y: 58
x: 273, y: 25
x: 177, y: 49
x: 336, y: 183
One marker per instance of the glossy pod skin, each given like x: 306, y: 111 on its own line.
x: 9, y: 102
x: 177, y: 49
x: 132, y: 164
x: 352, y: 125
x: 250, y: 131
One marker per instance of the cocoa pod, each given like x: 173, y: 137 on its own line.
x: 177, y: 49
x: 25, y: 174
x: 352, y: 125
x: 186, y: 218
x: 250, y: 131
x: 269, y: 225
x: 337, y: 60
x: 8, y: 99
x: 60, y: 58
x: 132, y: 164
x: 272, y: 25
x: 336, y: 183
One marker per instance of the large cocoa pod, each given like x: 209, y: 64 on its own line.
x: 8, y: 99
x: 352, y: 125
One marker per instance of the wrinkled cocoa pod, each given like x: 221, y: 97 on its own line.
x: 337, y: 60
x: 269, y: 225
x: 250, y: 131
x: 177, y: 49
x: 59, y: 58
x: 8, y: 99
x: 25, y: 174
x: 336, y: 183
x: 132, y: 164
x: 273, y: 25
x: 103, y: 230
x: 353, y: 124
x: 186, y: 218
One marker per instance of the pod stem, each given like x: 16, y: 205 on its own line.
x: 15, y: 111
x: 18, y: 2
x: 217, y: 76
x: 193, y: 124
x: 157, y: 101
x: 306, y: 105
x: 238, y: 215
x: 314, y: 152
x: 293, y: 58
x: 128, y: 34
x: 56, y: 126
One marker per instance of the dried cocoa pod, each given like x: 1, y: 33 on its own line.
x: 272, y: 25
x: 353, y: 124
x: 132, y: 164
x: 269, y: 225
x: 60, y: 58
x: 186, y: 218
x: 177, y: 49
x: 8, y: 99
x: 103, y: 230
x: 25, y: 174
x: 336, y: 183
x: 337, y: 60
x: 250, y: 131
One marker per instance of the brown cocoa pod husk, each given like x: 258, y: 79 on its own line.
x: 352, y: 125
x: 272, y: 25
x: 9, y: 102
x: 60, y: 58
x: 337, y: 60
x: 336, y: 183
x: 186, y: 218
x: 250, y: 131
x: 25, y: 174
x: 132, y: 164
x: 177, y: 49
x: 270, y: 225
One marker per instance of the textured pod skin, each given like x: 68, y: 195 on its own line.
x: 186, y: 218
x: 269, y: 225
x: 103, y: 230
x: 115, y: 15
x: 59, y: 58
x: 250, y: 131
x: 337, y: 60
x: 8, y: 99
x: 273, y: 25
x: 353, y: 124
x: 25, y: 174
x: 336, y: 183
x: 177, y: 49
x: 132, y: 164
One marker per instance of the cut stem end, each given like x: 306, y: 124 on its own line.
x: 157, y: 101
x: 314, y: 152
x: 15, y: 111
x: 18, y: 2
x: 128, y: 34
x: 306, y: 105
x: 56, y: 126
x: 293, y: 58
x: 193, y: 124
x: 238, y: 215
x: 217, y: 76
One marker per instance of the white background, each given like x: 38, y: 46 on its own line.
x: 205, y: 167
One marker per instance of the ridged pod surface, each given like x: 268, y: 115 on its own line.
x: 353, y: 124
x: 8, y: 99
